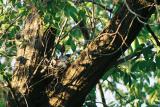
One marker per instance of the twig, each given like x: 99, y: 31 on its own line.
x: 65, y: 35
x: 115, y: 89
x: 102, y: 94
x: 11, y: 90
x: 100, y: 5
x: 136, y: 54
x: 83, y: 29
x: 2, y: 85
x: 13, y: 21
x: 58, y: 39
x: 93, y: 19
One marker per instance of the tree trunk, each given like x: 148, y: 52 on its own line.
x: 38, y: 83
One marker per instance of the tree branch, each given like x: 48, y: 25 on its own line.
x: 102, y: 53
x: 102, y: 94
x: 83, y: 29
x: 84, y: 73
x: 12, y: 92
x: 153, y: 34
x: 100, y: 5
x: 129, y: 57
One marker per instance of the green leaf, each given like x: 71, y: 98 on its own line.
x: 148, y: 54
x: 76, y: 33
x: 73, y: 47
x: 135, y: 44
x: 70, y: 10
x: 82, y: 14
x: 71, y: 43
x: 157, y: 59
x: 127, y: 79
x: 153, y: 97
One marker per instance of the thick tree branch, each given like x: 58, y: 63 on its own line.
x: 103, y: 52
x: 83, y: 74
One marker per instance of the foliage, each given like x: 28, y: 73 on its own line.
x: 140, y: 75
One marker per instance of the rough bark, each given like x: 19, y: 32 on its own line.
x: 36, y: 84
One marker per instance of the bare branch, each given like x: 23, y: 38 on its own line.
x: 99, y: 85
x: 134, y: 55
x: 11, y: 90
x: 98, y: 4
